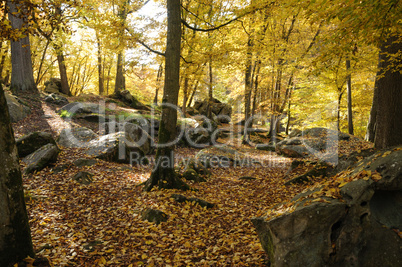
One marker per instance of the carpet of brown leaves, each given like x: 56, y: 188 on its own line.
x: 100, y: 224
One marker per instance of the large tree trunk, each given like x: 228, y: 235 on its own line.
x: 163, y: 174
x: 15, y: 235
x: 389, y: 84
x: 22, y: 79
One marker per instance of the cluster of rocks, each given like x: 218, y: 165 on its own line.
x: 221, y: 112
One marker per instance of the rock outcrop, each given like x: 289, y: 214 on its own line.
x: 354, y: 219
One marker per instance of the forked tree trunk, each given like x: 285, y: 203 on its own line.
x: 22, y: 79
x: 15, y: 235
x: 164, y: 175
x: 389, y: 84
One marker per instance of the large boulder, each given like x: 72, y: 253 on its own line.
x: 41, y: 158
x: 29, y: 143
x: 116, y: 147
x: 76, y: 137
x: 133, y: 131
x: 17, y: 109
x: 354, y: 219
x: 53, y: 86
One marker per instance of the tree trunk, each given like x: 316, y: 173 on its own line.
x: 100, y: 67
x: 210, y: 90
x: 389, y: 124
x: 15, y: 235
x: 22, y: 79
x: 158, y: 83
x: 120, y: 81
x: 164, y: 175
x: 349, y: 88
x: 371, y: 127
x: 193, y: 93
x: 338, y: 111
x: 42, y: 60
x: 185, y: 95
x: 65, y: 88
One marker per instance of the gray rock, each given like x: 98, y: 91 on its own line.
x: 76, y: 137
x: 116, y: 147
x: 298, y: 147
x: 18, y: 111
x: 93, y: 117
x: 132, y: 131
x: 360, y: 230
x: 155, y: 216
x: 28, y: 144
x: 84, y: 178
x: 53, y: 85
x: 56, y: 99
x: 81, y: 108
x: 41, y: 158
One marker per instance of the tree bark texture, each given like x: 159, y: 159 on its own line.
x: 15, y: 235
x: 349, y: 89
x: 22, y: 79
x: 389, y: 83
x: 163, y: 174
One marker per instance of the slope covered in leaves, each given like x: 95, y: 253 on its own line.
x: 101, y: 224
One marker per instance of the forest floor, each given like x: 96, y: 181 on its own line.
x: 100, y: 224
